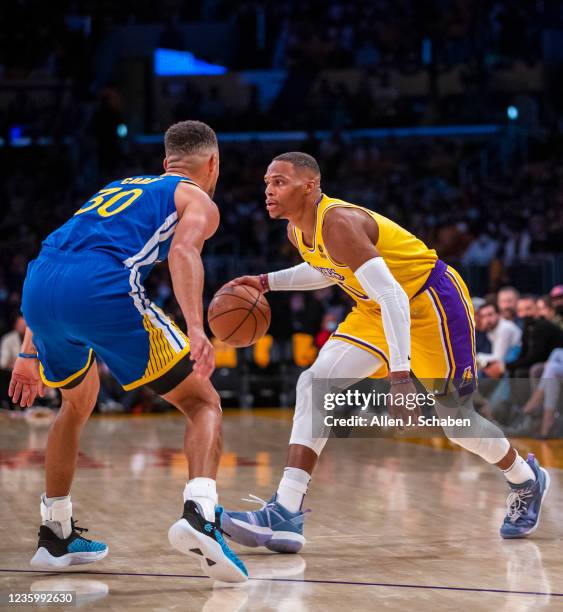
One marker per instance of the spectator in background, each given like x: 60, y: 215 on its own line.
x: 539, y: 338
x: 482, y: 343
x: 10, y: 344
x: 504, y: 336
x: 547, y: 311
x: 328, y: 326
x: 547, y: 393
x: 556, y: 300
x: 507, y: 300
x: 481, y: 251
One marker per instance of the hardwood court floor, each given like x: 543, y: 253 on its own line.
x: 395, y: 525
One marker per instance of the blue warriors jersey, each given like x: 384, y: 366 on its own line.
x: 84, y: 294
x: 132, y: 219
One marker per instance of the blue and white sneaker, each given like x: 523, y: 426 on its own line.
x: 55, y: 552
x: 524, y: 503
x: 197, y: 537
x: 273, y: 526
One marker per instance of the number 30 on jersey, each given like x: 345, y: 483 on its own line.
x: 111, y: 201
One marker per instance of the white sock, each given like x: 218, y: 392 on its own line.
x: 204, y: 492
x: 56, y: 513
x: 293, y: 488
x: 519, y: 471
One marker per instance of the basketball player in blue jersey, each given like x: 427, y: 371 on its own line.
x: 83, y: 296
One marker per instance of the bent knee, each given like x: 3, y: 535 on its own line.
x: 210, y: 404
x: 79, y: 409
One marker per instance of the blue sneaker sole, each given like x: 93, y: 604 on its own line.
x: 525, y: 534
x: 255, y: 536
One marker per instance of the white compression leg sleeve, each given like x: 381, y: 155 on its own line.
x: 337, y: 361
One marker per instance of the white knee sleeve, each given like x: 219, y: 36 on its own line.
x: 303, y: 419
x: 337, y: 362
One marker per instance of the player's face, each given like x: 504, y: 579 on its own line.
x: 286, y: 190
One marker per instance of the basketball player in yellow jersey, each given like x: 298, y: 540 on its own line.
x: 412, y: 313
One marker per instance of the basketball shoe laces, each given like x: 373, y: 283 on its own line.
x: 517, y: 503
x: 269, y: 507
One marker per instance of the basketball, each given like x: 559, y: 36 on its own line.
x: 239, y: 315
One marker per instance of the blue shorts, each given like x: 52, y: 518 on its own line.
x: 79, y: 305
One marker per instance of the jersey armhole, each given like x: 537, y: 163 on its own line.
x: 339, y: 265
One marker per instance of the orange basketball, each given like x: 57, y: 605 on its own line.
x: 239, y: 315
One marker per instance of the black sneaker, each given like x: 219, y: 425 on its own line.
x: 193, y: 535
x: 53, y: 551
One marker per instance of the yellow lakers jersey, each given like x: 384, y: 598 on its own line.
x: 408, y: 258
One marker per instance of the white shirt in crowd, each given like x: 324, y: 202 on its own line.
x: 503, y: 337
x: 10, y: 345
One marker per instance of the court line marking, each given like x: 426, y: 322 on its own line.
x: 305, y: 580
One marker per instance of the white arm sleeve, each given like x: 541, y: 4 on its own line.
x: 300, y: 277
x: 380, y: 285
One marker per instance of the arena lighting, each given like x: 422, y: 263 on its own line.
x: 122, y: 130
x: 290, y: 136
x: 408, y: 132
x: 512, y: 113
x: 169, y: 62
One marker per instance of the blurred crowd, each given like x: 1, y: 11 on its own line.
x: 492, y: 223
x: 519, y: 344
x: 314, y: 33
x: 481, y: 36
x: 304, y: 34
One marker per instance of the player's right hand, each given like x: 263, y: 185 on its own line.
x: 202, y: 353
x: 253, y: 281
x: 26, y: 383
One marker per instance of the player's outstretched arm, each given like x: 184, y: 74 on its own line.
x: 199, y: 220
x: 350, y: 236
x: 25, y: 383
x: 302, y: 277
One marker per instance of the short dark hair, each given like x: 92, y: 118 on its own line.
x: 189, y: 137
x: 300, y: 160
x: 527, y: 297
x: 489, y: 305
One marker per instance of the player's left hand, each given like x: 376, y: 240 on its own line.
x: 26, y: 383
x: 201, y: 352
x: 398, y: 408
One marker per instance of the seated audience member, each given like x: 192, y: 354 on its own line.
x: 539, y: 338
x: 10, y: 344
x: 482, y: 343
x: 547, y: 393
x: 504, y: 336
x: 556, y: 302
x: 507, y: 299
